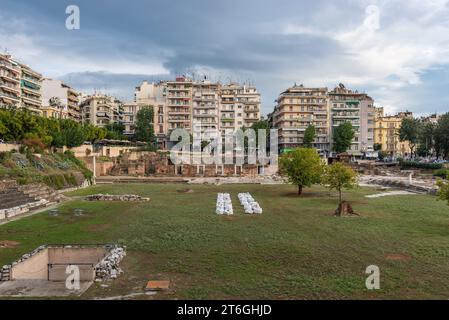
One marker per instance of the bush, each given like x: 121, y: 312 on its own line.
x: 420, y: 165
x: 34, y: 145
x: 442, y: 173
x: 55, y: 181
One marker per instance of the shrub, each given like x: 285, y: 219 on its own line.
x: 55, y: 181
x: 442, y: 173
x: 421, y: 165
x: 34, y: 145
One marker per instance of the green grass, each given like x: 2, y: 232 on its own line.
x: 295, y: 250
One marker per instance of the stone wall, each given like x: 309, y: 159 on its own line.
x: 49, y: 262
x: 159, y: 164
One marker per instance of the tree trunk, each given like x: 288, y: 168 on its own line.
x: 299, y: 190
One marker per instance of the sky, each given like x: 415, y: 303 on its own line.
x: 396, y: 51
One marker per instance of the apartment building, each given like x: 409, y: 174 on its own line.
x: 30, y: 84
x: 297, y: 108
x: 183, y: 103
x: 59, y: 100
x: 386, y: 133
x: 179, y: 104
x: 206, y: 104
x: 20, y: 86
x: 347, y: 105
x: 10, y: 74
x: 154, y: 95
x: 101, y: 110
x: 239, y: 107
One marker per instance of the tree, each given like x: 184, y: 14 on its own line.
x: 426, y: 139
x: 338, y: 177
x: 409, y: 131
x: 93, y: 133
x: 302, y: 166
x: 309, y: 137
x: 377, y: 146
x: 441, y: 136
x: 114, y: 131
x: 144, y: 125
x: 343, y: 136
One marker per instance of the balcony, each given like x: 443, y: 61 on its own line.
x: 102, y: 114
x: 9, y: 96
x: 30, y: 85
x: 31, y: 79
x: 205, y: 115
x: 32, y: 100
x: 175, y: 113
x: 9, y: 87
x: 9, y: 77
x: 10, y: 66
x: 346, y: 116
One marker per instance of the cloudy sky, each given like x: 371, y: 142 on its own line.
x: 397, y: 51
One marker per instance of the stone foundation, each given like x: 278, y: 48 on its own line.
x: 120, y: 197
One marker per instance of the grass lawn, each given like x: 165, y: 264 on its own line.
x: 295, y: 250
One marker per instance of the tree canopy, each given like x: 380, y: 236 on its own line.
x: 302, y: 166
x: 144, y: 130
x: 309, y: 137
x: 338, y: 177
x: 410, y: 131
x: 343, y: 136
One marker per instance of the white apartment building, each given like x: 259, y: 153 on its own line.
x: 239, y: 107
x: 347, y: 105
x: 59, y: 100
x: 20, y: 86
x: 101, y: 110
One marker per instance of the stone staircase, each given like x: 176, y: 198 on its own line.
x: 16, y: 200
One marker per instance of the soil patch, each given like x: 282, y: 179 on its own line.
x: 185, y: 191
x: 8, y: 244
x: 98, y: 227
x: 397, y: 257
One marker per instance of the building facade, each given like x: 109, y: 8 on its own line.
x: 101, y: 110
x: 239, y: 107
x: 154, y: 95
x: 386, y: 134
x: 31, y: 89
x: 347, y: 105
x: 297, y: 108
x: 20, y: 86
x: 60, y: 100
x: 184, y: 103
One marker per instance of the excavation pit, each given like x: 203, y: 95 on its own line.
x: 44, y: 271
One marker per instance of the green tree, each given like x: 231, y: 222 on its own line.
x: 302, y: 166
x: 144, y: 130
x: 426, y: 139
x: 343, y: 136
x: 441, y: 136
x: 338, y: 177
x: 377, y: 146
x: 309, y: 137
x: 410, y: 131
x: 93, y: 133
x: 114, y: 131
